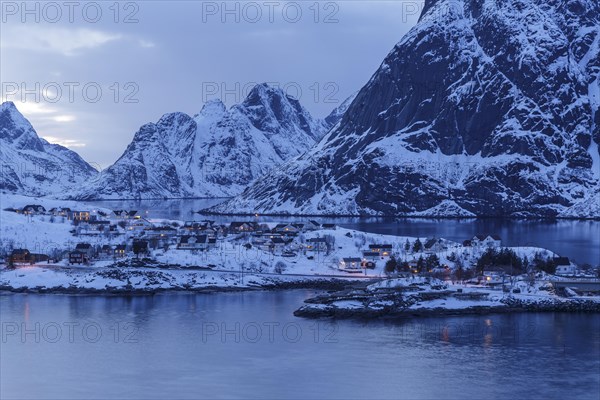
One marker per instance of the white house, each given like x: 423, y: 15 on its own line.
x: 564, y: 267
x: 193, y: 242
x: 139, y: 224
x: 350, y: 264
x: 384, y: 250
x: 486, y: 241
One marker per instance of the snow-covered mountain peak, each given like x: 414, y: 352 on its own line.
x: 272, y: 111
x: 31, y: 165
x: 211, y: 108
x: 488, y: 105
x: 217, y: 153
x: 16, y: 129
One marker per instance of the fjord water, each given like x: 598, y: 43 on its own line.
x: 249, y: 345
x: 576, y: 239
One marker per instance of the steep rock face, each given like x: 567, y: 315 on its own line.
x: 336, y: 115
x: 484, y: 108
x: 32, y: 166
x: 216, y: 153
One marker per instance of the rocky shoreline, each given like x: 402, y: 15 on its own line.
x: 416, y: 302
x: 128, y: 290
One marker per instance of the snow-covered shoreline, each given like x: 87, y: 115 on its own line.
x: 249, y: 255
x: 431, y: 298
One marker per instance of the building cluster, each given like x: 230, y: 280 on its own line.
x: 128, y: 233
x: 137, y: 235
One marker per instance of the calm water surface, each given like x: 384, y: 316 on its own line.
x: 578, y: 240
x: 249, y: 345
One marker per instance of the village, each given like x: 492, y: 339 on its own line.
x: 102, y: 237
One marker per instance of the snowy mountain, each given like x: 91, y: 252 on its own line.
x: 336, y: 115
x: 216, y: 153
x: 485, y: 108
x: 32, y: 166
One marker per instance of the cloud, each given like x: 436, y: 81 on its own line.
x: 146, y: 44
x: 31, y: 108
x: 64, y: 142
x: 63, y: 118
x: 56, y: 40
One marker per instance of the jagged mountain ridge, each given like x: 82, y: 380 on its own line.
x: 483, y: 108
x: 216, y: 153
x: 32, y: 166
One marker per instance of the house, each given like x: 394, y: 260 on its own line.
x: 239, y: 227
x: 124, y: 214
x: 494, y: 275
x: 139, y: 224
x: 350, y: 264
x: 120, y: 214
x: 193, y: 226
x: 566, y: 270
x: 106, y: 250
x: 97, y: 225
x: 19, y: 256
x: 80, y: 216
x: 384, y: 250
x: 160, y: 232
x: 564, y: 267
x: 312, y: 225
x: 33, y: 209
x: 120, y: 251
x: 133, y: 214
x: 286, y: 228
x: 278, y: 244
x: 35, y: 258
x: 371, y: 255
x: 316, y: 244
x: 85, y: 248
x: 486, y: 241
x: 78, y: 257
x: 434, y: 246
x: 193, y: 242
x: 61, y: 212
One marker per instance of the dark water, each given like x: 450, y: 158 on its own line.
x: 578, y: 240
x: 249, y: 345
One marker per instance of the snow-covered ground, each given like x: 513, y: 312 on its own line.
x: 40, y: 234
x: 236, y: 261
x: 422, y: 296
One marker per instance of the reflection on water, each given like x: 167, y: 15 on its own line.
x: 250, y: 345
x: 578, y: 240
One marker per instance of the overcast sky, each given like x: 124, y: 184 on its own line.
x: 152, y: 57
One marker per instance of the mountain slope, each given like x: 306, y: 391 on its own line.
x: 216, y: 153
x: 30, y: 165
x: 336, y: 115
x: 483, y: 108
